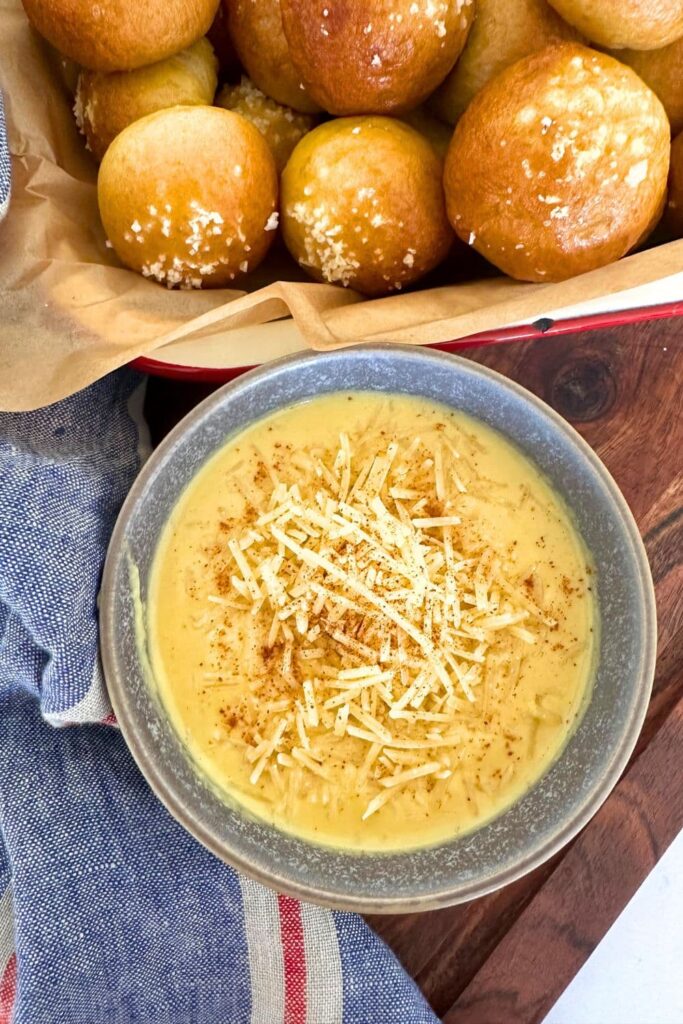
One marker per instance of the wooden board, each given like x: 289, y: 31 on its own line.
x: 506, y: 958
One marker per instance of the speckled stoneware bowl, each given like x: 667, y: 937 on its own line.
x: 571, y: 790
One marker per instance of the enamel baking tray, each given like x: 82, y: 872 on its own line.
x: 166, y: 364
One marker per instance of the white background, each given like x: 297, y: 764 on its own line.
x: 635, y: 975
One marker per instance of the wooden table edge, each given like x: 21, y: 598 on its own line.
x: 566, y: 918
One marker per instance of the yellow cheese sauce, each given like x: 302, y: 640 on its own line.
x: 371, y: 621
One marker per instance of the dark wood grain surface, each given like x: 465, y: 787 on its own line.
x: 506, y: 958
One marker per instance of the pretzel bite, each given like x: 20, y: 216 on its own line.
x: 362, y: 204
x: 374, y: 57
x: 559, y: 165
x: 258, y: 37
x: 280, y: 126
x: 188, y: 196
x: 503, y: 32
x: 662, y: 70
x: 117, y: 35
x: 106, y: 102
x: 640, y: 24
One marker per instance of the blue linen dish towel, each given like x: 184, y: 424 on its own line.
x: 110, y: 913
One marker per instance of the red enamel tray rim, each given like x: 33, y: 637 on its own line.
x: 524, y: 332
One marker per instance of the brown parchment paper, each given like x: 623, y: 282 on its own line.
x: 69, y: 313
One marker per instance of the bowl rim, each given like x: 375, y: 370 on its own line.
x: 444, y: 896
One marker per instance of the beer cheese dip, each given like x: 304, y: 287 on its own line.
x: 371, y: 621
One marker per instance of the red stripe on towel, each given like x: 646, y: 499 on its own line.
x: 294, y: 957
x: 8, y: 990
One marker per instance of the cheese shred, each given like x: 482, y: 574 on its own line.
x: 376, y: 619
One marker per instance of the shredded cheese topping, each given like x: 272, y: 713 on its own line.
x: 377, y: 630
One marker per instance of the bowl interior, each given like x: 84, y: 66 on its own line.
x: 570, y: 791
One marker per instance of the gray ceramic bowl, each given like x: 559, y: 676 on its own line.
x: 570, y: 792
